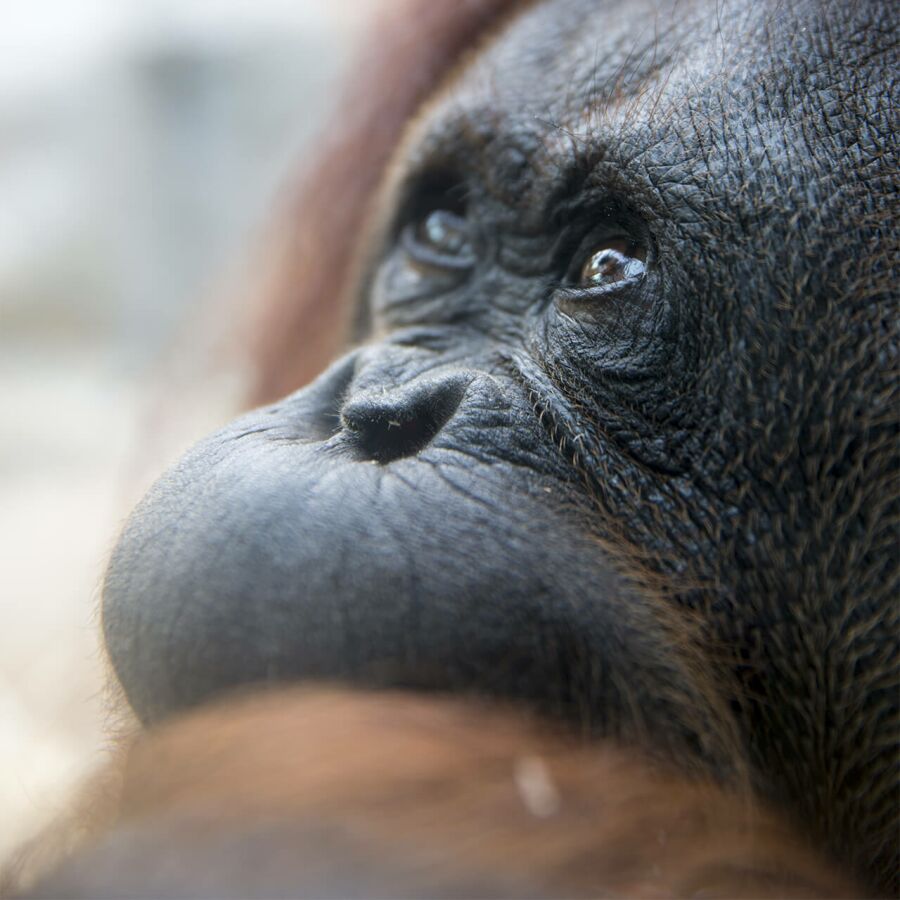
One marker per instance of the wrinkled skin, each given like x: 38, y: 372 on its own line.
x: 664, y: 506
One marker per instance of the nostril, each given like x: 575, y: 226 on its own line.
x: 400, y: 424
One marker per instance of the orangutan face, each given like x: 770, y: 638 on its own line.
x: 620, y: 441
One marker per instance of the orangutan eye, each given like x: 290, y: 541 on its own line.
x: 617, y: 259
x: 440, y: 239
x: 443, y: 232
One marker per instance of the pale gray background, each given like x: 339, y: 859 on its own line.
x: 142, y: 143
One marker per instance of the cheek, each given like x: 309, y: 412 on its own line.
x: 396, y: 290
x: 609, y: 338
x: 404, y: 293
x: 614, y: 361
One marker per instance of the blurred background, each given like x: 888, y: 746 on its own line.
x: 143, y: 145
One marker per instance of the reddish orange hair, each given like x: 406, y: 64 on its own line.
x: 318, y: 792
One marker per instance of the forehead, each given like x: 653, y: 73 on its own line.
x: 563, y: 57
x: 631, y: 72
x: 561, y: 60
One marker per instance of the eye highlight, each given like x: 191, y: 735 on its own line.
x: 617, y: 259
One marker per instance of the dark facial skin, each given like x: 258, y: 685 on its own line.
x: 621, y: 440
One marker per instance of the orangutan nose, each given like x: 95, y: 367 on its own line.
x: 387, y: 426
